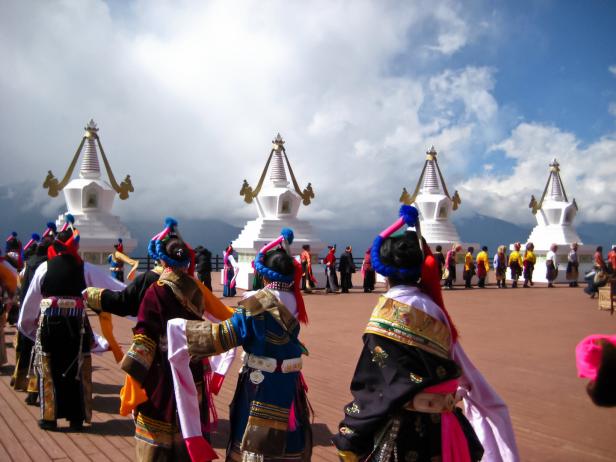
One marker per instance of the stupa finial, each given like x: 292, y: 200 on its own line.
x: 278, y: 175
x: 90, y: 167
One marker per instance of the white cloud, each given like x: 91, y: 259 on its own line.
x: 189, y: 94
x: 612, y: 108
x: 587, y: 174
x: 612, y: 69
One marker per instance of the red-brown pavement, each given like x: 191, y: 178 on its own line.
x: 522, y: 340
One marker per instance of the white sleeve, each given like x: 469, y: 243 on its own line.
x: 232, y: 262
x: 31, y: 305
x: 97, y: 277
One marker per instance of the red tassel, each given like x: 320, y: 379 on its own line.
x: 431, y: 285
x: 302, y: 316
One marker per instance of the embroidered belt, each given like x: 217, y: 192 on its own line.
x: 62, y: 306
x: 265, y: 364
x: 432, y: 403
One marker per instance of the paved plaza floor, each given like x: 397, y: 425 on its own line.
x: 523, y: 341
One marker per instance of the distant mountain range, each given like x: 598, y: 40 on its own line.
x: 215, y: 234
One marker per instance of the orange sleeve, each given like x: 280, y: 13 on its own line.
x: 107, y: 331
x: 8, y: 279
x: 131, y: 395
x: 213, y: 305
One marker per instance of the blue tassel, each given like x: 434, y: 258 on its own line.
x: 51, y: 225
x: 288, y: 235
x: 170, y: 222
x: 36, y: 237
x: 69, y: 218
x: 410, y: 214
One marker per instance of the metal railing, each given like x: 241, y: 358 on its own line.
x: 147, y: 263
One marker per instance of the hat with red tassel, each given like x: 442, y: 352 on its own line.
x: 426, y: 273
x: 283, y: 241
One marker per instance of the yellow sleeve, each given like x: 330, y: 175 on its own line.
x: 8, y: 279
x: 213, y: 305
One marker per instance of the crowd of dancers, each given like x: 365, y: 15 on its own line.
x: 416, y: 395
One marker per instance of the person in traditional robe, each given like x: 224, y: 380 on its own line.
x: 469, y: 268
x: 530, y: 259
x: 483, y: 266
x: 308, y: 280
x: 500, y: 267
x: 595, y: 358
x: 450, y: 265
x: 8, y: 290
x: 229, y: 272
x: 515, y: 264
x: 368, y: 272
x: 116, y: 267
x: 176, y: 294
x: 269, y: 415
x: 347, y: 268
x: 551, y: 265
x: 412, y: 371
x: 331, y: 284
x: 572, y: 274
x: 53, y: 316
x: 24, y: 377
x: 13, y: 251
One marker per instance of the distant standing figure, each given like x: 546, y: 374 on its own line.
x: 600, y: 277
x: 551, y: 265
x: 611, y: 258
x: 469, y: 268
x: 529, y: 264
x: 515, y: 264
x: 116, y: 267
x: 330, y: 269
x: 368, y: 272
x: 308, y: 280
x: 483, y: 266
x: 347, y: 268
x: 229, y: 272
x: 203, y: 266
x: 500, y: 267
x: 573, y: 266
x: 440, y: 259
x: 450, y: 264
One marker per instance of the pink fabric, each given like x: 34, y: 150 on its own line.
x: 271, y: 245
x: 199, y: 449
x: 292, y: 422
x: 186, y: 393
x: 216, y: 382
x: 588, y: 355
x: 396, y: 225
x: 454, y: 447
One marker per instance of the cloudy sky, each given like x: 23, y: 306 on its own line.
x: 188, y: 96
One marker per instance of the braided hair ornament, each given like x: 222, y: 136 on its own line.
x: 409, y: 216
x: 156, y: 247
x: 285, y: 240
x: 34, y: 239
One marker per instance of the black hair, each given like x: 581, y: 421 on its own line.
x: 599, y: 249
x: 176, y: 249
x: 439, y: 248
x: 470, y: 249
x: 30, y: 251
x: 347, y: 248
x: 279, y: 261
x: 402, y: 252
x: 485, y: 248
x: 12, y: 244
x: 602, y: 390
x: 65, y: 235
x: 306, y: 247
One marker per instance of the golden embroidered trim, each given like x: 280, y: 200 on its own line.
x: 410, y: 326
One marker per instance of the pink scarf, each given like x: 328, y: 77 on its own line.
x: 454, y: 447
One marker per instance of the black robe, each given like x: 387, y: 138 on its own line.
x: 126, y: 302
x: 346, y: 268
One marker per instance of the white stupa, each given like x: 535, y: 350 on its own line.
x: 435, y: 205
x: 555, y: 215
x: 277, y: 205
x: 89, y: 199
